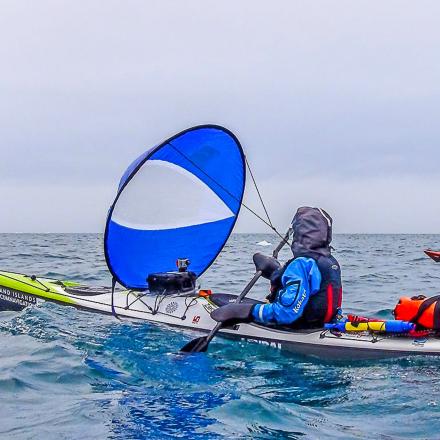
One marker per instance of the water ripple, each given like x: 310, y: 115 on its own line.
x: 70, y: 374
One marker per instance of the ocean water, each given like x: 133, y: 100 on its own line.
x: 66, y: 374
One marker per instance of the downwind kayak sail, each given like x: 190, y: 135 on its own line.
x: 180, y: 199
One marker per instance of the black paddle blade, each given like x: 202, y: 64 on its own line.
x: 197, y: 345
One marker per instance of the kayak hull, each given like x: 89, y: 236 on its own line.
x: 192, y: 312
x: 435, y: 255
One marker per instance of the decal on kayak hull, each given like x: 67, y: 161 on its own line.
x: 15, y: 300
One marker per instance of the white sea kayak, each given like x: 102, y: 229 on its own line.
x: 191, y: 311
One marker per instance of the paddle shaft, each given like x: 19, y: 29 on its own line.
x: 249, y: 286
x: 276, y: 251
x: 238, y: 300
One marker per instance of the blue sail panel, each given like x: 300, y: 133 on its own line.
x: 180, y: 199
x: 157, y: 251
x: 221, y: 169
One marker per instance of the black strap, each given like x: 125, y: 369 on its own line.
x: 424, y: 306
x: 113, y: 301
x: 437, y: 316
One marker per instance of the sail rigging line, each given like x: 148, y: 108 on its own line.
x: 113, y: 299
x: 258, y: 192
x: 267, y: 223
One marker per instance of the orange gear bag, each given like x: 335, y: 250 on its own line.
x: 425, y: 312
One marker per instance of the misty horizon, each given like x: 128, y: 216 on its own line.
x: 335, y: 104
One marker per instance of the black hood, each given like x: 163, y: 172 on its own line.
x: 312, y: 232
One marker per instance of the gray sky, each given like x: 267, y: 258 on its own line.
x: 335, y: 102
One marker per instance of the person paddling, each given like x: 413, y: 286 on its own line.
x: 307, y: 291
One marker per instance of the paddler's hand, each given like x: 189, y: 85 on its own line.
x: 232, y: 314
x: 267, y: 265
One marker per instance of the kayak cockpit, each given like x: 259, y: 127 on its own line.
x: 221, y: 299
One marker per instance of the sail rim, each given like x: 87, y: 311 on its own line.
x: 139, y: 165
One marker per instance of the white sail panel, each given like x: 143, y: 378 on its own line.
x: 175, y: 198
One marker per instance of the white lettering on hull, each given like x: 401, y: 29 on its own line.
x: 263, y: 342
x: 16, y: 297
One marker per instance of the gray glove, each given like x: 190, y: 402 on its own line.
x: 231, y: 314
x: 267, y: 265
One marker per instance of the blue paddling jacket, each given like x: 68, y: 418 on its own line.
x: 311, y: 289
x: 308, y: 289
x: 300, y: 280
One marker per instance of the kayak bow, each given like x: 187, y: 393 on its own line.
x: 435, y: 255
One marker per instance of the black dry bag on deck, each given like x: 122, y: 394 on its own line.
x: 166, y: 283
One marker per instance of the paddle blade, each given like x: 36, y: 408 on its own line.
x: 197, y: 345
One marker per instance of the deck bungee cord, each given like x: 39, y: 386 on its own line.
x: 158, y: 300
